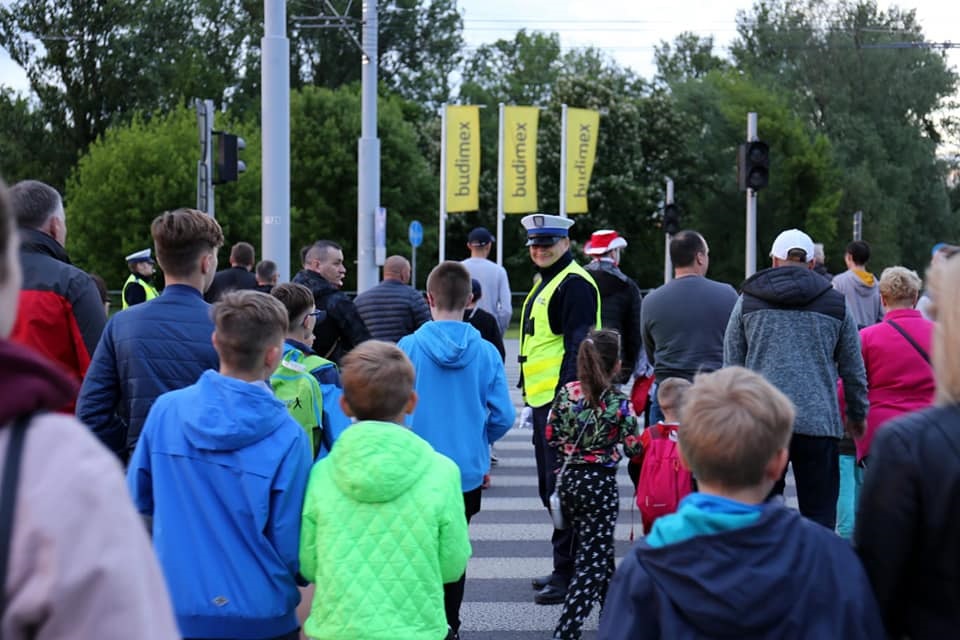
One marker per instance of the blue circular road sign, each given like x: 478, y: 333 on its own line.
x: 415, y: 233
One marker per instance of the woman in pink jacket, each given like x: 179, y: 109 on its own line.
x: 896, y: 353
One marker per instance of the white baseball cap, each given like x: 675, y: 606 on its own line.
x: 792, y: 239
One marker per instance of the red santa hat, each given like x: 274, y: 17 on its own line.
x: 603, y: 241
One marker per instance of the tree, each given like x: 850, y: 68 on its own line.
x: 688, y: 58
x: 138, y: 170
x: 846, y: 68
x: 804, y: 188
x: 26, y: 147
x: 419, y: 48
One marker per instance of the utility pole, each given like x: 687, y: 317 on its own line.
x: 858, y: 225
x: 368, y: 146
x: 275, y: 139
x: 667, y: 265
x: 751, y: 248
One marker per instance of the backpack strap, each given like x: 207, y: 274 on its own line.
x: 8, y: 498
x: 909, y: 339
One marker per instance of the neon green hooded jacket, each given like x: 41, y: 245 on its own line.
x: 383, y: 529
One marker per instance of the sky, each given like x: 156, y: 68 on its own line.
x: 627, y: 30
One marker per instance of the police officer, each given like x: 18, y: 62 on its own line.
x: 557, y: 314
x: 137, y: 288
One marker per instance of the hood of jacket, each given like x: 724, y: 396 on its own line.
x: 236, y: 413
x: 29, y: 382
x: 741, y: 583
x: 33, y: 241
x: 787, y: 286
x: 377, y: 461
x: 864, y: 282
x: 449, y: 343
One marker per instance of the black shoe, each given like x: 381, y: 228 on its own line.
x: 541, y: 582
x: 550, y: 594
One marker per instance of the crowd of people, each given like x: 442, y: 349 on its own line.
x: 283, y: 443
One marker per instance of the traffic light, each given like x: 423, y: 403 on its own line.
x: 671, y: 219
x: 227, y: 161
x: 753, y: 165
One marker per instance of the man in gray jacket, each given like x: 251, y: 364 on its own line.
x: 859, y: 286
x: 792, y: 326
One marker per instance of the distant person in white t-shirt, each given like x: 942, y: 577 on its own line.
x: 492, y: 277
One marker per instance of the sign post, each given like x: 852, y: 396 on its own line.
x: 415, y: 235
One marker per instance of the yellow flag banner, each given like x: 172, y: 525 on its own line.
x: 463, y: 158
x: 520, y: 159
x: 581, y: 137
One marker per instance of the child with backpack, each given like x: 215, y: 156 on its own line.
x: 664, y: 479
x: 730, y: 563
x: 589, y: 419
x: 308, y: 384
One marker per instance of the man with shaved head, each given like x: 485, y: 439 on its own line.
x: 393, y: 308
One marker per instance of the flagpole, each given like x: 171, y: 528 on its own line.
x: 563, y: 161
x: 443, y: 182
x: 500, y: 179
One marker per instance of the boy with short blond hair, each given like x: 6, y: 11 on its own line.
x: 727, y: 563
x: 222, y: 469
x: 381, y: 489
x: 462, y: 384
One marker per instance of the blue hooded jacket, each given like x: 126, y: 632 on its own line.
x: 464, y: 401
x: 223, y: 468
x: 781, y: 577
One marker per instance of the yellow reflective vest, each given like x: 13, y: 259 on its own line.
x: 541, y: 350
x: 147, y: 288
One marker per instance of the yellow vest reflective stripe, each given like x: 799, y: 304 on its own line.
x: 541, y: 354
x: 147, y: 288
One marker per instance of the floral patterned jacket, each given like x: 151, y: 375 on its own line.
x: 604, y: 428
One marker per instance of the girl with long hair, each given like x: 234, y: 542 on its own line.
x: 589, y: 419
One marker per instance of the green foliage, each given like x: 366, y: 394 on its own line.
x: 688, y: 58
x: 141, y: 169
x: 324, y: 132
x: 137, y: 171
x: 26, y: 148
x: 805, y: 185
x: 841, y: 66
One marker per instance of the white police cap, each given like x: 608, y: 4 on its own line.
x: 544, y: 229
x: 140, y: 256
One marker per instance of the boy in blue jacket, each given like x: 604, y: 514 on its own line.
x: 222, y: 468
x: 727, y: 564
x: 464, y: 403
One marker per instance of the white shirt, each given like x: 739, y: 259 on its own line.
x: 495, y: 289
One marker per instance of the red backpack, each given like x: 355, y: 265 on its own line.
x: 664, y: 481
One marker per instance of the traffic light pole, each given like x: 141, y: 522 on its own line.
x: 205, y: 199
x: 751, y: 248
x: 275, y: 139
x: 667, y: 265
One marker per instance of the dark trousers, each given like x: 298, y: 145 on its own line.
x: 453, y: 591
x: 816, y: 469
x: 591, y: 501
x: 564, y: 541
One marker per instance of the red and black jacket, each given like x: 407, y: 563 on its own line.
x: 60, y: 314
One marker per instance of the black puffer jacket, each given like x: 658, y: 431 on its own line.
x: 908, y: 523
x: 342, y: 329
x: 620, y: 309
x: 392, y: 310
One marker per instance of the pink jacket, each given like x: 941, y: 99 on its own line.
x: 81, y: 565
x: 899, y: 380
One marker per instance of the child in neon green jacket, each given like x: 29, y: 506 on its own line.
x: 383, y: 520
